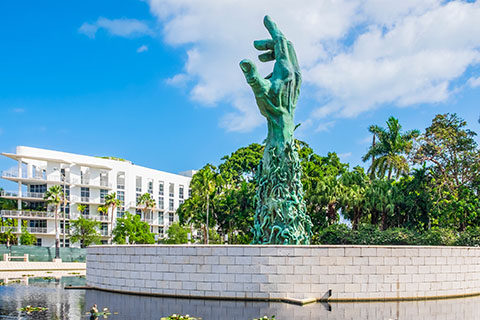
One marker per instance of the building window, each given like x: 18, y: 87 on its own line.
x: 85, y: 194
x: 138, y: 212
x: 189, y: 192
x: 121, y: 197
x: 150, y: 186
x: 160, y: 231
x: 39, y: 242
x: 138, y: 184
x: 37, y: 223
x: 86, y: 212
x: 160, y: 218
x: 180, y: 202
x: 120, y: 212
x: 170, y: 205
x: 171, y: 217
x: 180, y: 192
x: 67, y: 243
x: 84, y: 176
x: 67, y: 226
x: 103, y: 179
x: 38, y: 188
x: 103, y: 193
x: 66, y: 190
x: 121, y: 180
x: 137, y: 197
x: 171, y: 190
x: 160, y: 188
x: 160, y: 203
x: 67, y: 210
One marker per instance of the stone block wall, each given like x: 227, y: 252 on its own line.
x: 286, y: 272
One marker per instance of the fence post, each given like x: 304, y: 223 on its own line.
x: 5, y: 257
x: 25, y: 257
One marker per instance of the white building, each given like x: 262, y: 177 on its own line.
x: 87, y: 180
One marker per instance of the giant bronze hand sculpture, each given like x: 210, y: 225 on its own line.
x: 280, y: 216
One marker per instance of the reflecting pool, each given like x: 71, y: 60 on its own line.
x: 73, y: 304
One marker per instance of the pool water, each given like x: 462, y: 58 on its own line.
x: 74, y: 304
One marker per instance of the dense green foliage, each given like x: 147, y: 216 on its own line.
x: 176, y: 234
x: 26, y: 238
x: 420, y: 188
x: 132, y: 227
x: 85, y: 231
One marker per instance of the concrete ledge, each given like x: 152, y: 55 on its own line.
x: 294, y: 274
x: 40, y: 266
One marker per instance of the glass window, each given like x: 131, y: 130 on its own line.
x: 37, y: 223
x: 171, y: 190
x: 67, y: 242
x: 150, y: 186
x: 160, y: 203
x: 137, y: 196
x: 189, y: 192
x: 120, y: 212
x: 103, y: 193
x: 170, y: 205
x: 39, y: 242
x: 171, y: 217
x: 104, y: 179
x: 160, y: 218
x: 180, y: 192
x: 180, y: 202
x: 160, y: 231
x: 85, y: 194
x: 121, y: 180
x: 160, y: 188
x: 138, y: 184
x: 38, y: 188
x: 121, y: 197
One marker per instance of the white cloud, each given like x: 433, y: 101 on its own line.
x: 325, y: 126
x: 355, y: 55
x: 142, y: 48
x: 474, y: 82
x: 118, y: 27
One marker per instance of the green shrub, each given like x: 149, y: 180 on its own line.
x: 366, y: 234
x: 437, y: 237
x: 397, y: 236
x: 334, y: 234
x: 470, y: 237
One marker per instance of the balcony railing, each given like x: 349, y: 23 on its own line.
x: 104, y: 232
x: 38, y: 176
x: 14, y: 194
x: 100, y: 218
x: 28, y: 214
x: 87, y: 182
x: 37, y: 230
x: 6, y: 229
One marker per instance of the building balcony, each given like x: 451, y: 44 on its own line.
x: 104, y: 232
x: 41, y: 230
x: 35, y: 178
x: 91, y: 184
x: 31, y: 196
x: 28, y: 214
x: 6, y: 229
x: 88, y: 200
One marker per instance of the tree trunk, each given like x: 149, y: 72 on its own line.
x: 355, y: 219
x: 111, y: 225
x: 57, y: 235
x: 208, y: 212
x: 331, y: 213
x: 384, y: 220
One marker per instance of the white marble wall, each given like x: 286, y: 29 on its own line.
x: 276, y: 272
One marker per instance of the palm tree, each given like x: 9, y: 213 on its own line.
x: 146, y: 200
x: 203, y: 184
x: 112, y: 202
x: 54, y: 195
x: 103, y: 210
x: 389, y: 153
x: 81, y: 208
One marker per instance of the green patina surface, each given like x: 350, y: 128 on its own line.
x: 280, y: 216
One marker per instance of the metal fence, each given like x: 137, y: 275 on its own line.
x: 45, y: 253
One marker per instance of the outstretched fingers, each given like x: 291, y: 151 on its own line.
x: 258, y: 84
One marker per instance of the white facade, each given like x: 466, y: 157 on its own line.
x: 87, y: 180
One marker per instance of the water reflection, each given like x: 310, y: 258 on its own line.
x: 50, y: 293
x: 73, y: 304
x: 142, y: 307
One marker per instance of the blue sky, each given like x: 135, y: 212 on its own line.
x: 157, y: 82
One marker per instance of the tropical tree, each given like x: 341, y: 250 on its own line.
x: 26, y: 238
x: 85, y: 231
x: 81, y: 208
x: 54, y: 196
x: 148, y: 203
x: 380, y: 201
x: 112, y: 202
x: 390, y: 153
x: 450, y: 151
x: 352, y: 196
x: 103, y: 210
x: 176, y: 234
x: 203, y: 185
x: 132, y: 227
